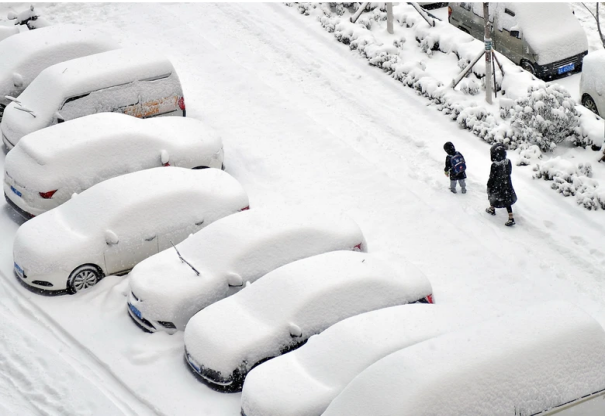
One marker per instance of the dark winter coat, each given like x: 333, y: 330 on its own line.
x: 448, y: 167
x: 500, y: 189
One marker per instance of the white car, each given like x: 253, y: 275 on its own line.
x: 25, y: 55
x: 546, y: 359
x: 136, y: 81
x: 324, y: 366
x: 592, y: 82
x: 221, y: 259
x: 48, y: 166
x: 110, y: 227
x: 283, y: 309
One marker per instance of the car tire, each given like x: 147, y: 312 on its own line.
x: 83, y: 277
x: 528, y: 66
x: 589, y: 103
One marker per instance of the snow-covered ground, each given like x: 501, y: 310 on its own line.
x: 304, y: 121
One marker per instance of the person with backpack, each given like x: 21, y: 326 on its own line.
x: 455, y: 167
x: 500, y: 191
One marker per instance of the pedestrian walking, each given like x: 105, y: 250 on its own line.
x: 455, y: 167
x: 500, y: 191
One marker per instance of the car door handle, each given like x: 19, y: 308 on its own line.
x: 199, y: 223
x: 150, y: 238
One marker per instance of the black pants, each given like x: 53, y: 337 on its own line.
x: 509, y: 209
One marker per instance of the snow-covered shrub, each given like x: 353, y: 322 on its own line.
x: 529, y: 154
x: 470, y: 86
x: 545, y: 117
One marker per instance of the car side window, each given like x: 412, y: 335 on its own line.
x: 466, y: 6
x: 106, y: 100
x: 507, y: 20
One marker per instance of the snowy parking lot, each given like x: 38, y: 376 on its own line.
x: 304, y: 122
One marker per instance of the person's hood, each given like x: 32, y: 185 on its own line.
x: 498, y: 152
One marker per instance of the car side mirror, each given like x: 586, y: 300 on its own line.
x: 295, y: 331
x: 235, y: 280
x: 17, y: 80
x: 516, y: 34
x: 111, y: 238
x: 165, y: 158
x: 59, y: 117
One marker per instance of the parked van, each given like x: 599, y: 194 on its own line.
x: 134, y: 81
x: 592, y: 83
x: 26, y: 54
x: 545, y: 39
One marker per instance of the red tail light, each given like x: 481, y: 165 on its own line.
x: 429, y: 299
x: 245, y: 208
x: 449, y: 12
x: 166, y: 164
x: 47, y: 195
x: 182, y: 103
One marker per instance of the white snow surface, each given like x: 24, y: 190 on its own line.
x: 537, y: 20
x: 310, y: 294
x: 30, y: 52
x: 305, y: 121
x: 527, y: 361
x: 75, y: 155
x: 243, y: 247
x: 305, y: 381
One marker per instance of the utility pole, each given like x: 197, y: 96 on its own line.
x: 390, y: 18
x: 488, y: 54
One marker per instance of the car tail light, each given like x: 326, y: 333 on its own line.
x: 166, y: 164
x: 47, y: 195
x: 358, y: 247
x: 429, y: 299
x: 182, y: 103
x: 449, y: 12
x: 245, y: 208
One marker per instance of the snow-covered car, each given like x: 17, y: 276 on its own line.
x: 282, y: 310
x: 26, y: 54
x: 221, y: 259
x: 592, y: 82
x: 545, y: 39
x: 542, y: 360
x: 47, y: 166
x: 115, y: 224
x: 324, y: 366
x: 135, y: 81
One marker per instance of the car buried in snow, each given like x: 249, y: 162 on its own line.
x: 592, y: 82
x: 47, y: 166
x: 167, y: 289
x: 26, y: 54
x: 543, y: 360
x: 117, y: 223
x: 134, y: 81
x: 282, y: 310
x: 324, y: 366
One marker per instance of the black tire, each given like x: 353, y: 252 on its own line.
x: 589, y: 103
x: 528, y: 66
x: 83, y: 277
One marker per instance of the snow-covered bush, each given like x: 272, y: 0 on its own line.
x: 470, y: 86
x: 546, y: 117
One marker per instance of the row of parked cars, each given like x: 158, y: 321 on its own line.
x: 284, y: 304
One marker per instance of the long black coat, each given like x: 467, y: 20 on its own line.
x: 500, y: 189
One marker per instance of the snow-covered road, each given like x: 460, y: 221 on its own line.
x: 304, y: 121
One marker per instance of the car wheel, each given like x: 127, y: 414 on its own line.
x: 528, y: 67
x: 589, y: 103
x: 82, y: 278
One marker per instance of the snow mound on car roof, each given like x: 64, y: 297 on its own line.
x: 536, y: 21
x: 592, y: 72
x: 305, y: 381
x: 525, y: 362
x: 311, y: 294
x: 48, y: 45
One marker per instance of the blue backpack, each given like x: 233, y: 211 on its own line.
x: 458, y: 163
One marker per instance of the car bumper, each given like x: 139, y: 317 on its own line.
x: 147, y: 325
x: 56, y: 282
x: 551, y: 70
x: 212, y: 378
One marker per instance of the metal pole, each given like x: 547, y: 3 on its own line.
x: 488, y: 55
x: 359, y: 11
x: 390, y: 18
